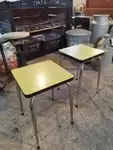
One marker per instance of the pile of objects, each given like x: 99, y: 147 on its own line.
x: 40, y: 26
x: 10, y: 55
x: 97, y: 36
x: 10, y: 62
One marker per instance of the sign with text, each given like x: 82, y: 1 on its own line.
x: 41, y: 3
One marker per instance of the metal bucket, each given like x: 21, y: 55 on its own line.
x: 99, y: 27
x: 77, y: 36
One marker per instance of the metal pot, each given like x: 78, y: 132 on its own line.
x: 99, y: 27
x: 77, y: 36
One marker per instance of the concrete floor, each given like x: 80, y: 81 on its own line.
x: 93, y: 120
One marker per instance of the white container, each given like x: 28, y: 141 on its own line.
x: 99, y: 27
x: 105, y: 44
x: 107, y: 59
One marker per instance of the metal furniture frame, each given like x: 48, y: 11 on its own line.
x: 34, y: 86
x: 82, y: 54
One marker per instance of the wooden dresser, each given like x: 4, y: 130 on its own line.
x: 99, y: 6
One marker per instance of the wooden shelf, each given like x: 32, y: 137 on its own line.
x: 107, y: 9
x: 46, y: 29
x: 91, y: 11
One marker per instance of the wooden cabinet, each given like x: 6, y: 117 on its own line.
x: 99, y: 6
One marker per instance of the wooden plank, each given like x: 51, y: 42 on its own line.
x: 45, y: 29
x: 91, y: 11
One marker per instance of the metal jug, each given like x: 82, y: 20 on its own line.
x: 99, y: 27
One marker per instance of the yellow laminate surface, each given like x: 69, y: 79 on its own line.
x: 81, y: 52
x: 40, y: 76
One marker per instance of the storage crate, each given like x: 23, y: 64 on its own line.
x: 50, y: 41
x: 32, y: 49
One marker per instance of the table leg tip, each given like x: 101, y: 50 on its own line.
x: 22, y: 114
x: 38, y: 147
x: 59, y: 126
x: 72, y: 122
x: 76, y: 106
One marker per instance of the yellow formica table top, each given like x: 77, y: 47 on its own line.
x: 39, y: 77
x: 81, y: 53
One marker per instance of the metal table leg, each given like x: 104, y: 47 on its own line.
x: 77, y: 76
x: 33, y: 115
x: 60, y: 60
x: 20, y: 98
x: 79, y: 81
x: 71, y: 102
x: 60, y: 63
x: 52, y: 90
x: 99, y: 72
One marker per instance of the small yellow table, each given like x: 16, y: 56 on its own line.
x: 82, y: 54
x: 38, y: 78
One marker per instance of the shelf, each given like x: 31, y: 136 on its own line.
x: 109, y: 9
x: 45, y: 29
x: 92, y: 11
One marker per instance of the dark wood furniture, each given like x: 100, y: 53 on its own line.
x: 82, y: 22
x: 36, y: 20
x: 39, y: 22
x: 37, y: 17
x: 99, y: 6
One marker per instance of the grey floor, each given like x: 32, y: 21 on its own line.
x: 93, y: 120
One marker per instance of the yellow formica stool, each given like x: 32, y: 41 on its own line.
x: 37, y: 78
x: 82, y: 54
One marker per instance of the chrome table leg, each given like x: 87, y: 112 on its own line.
x: 99, y: 73
x: 60, y: 60
x: 60, y: 63
x: 33, y: 115
x: 77, y: 76
x: 79, y: 81
x: 20, y: 98
x: 52, y: 90
x: 71, y: 102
